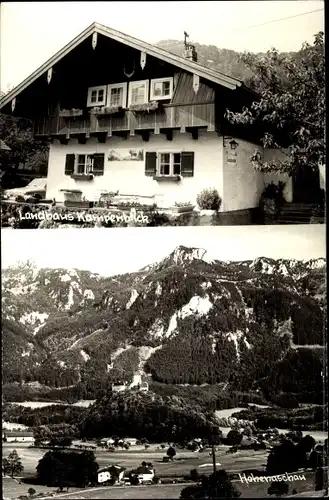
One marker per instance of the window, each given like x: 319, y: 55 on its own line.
x: 169, y: 164
x: 161, y: 88
x: 138, y: 92
x: 96, y: 96
x: 117, y: 95
x: 84, y: 164
x: 163, y: 164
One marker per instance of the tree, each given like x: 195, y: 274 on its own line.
x: 295, y: 436
x: 171, y: 452
x: 284, y: 458
x: 291, y: 108
x: 233, y: 437
x: 62, y: 468
x: 218, y: 485
x: 31, y: 491
x: 24, y: 149
x: 278, y: 488
x: 315, y: 460
x: 319, y: 479
x: 307, y: 443
x: 12, y: 465
x: 194, y: 475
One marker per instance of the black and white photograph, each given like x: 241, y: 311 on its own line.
x: 157, y: 363
x: 171, y: 343
x: 222, y: 104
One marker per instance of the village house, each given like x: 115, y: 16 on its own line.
x: 144, y: 473
x: 113, y: 473
x: 107, y: 442
x: 136, y: 383
x: 124, y: 116
x: 17, y: 436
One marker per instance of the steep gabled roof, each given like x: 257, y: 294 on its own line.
x: 164, y: 55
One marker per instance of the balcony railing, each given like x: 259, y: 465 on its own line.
x: 167, y: 117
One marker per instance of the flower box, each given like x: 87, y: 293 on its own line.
x: 70, y: 113
x: 164, y: 178
x: 183, y: 209
x: 82, y: 177
x: 142, y: 108
x: 138, y: 207
x: 78, y: 204
x: 106, y: 110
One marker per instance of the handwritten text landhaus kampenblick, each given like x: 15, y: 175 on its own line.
x: 80, y: 216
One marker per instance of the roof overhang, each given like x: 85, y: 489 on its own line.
x: 178, y: 61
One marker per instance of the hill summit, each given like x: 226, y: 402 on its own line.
x: 249, y: 325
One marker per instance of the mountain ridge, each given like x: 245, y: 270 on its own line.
x: 186, y: 319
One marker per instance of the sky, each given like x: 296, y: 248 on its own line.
x: 121, y: 250
x: 32, y: 32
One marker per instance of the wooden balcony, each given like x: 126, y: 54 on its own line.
x: 187, y: 117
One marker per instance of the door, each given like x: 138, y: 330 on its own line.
x: 306, y: 185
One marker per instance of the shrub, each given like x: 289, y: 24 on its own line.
x: 171, y: 452
x: 194, y: 475
x: 234, y: 437
x: 271, y: 200
x: 209, y: 199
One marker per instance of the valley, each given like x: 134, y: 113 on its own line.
x: 185, y: 349
x: 184, y: 322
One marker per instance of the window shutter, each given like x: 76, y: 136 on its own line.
x: 69, y: 164
x: 187, y: 163
x: 150, y: 164
x: 98, y: 168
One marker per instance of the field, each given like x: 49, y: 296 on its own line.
x: 256, y: 490
x: 185, y: 461
x: 41, y: 404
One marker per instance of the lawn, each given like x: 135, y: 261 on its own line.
x: 184, y: 462
x: 12, y: 488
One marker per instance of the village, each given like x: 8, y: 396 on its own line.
x: 129, y: 462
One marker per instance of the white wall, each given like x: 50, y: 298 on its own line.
x: 11, y: 439
x: 129, y: 176
x: 243, y: 186
x: 104, y: 476
x: 271, y: 154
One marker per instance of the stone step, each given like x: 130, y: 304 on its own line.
x: 297, y: 209
x: 291, y: 213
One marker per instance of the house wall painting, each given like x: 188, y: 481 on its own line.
x: 125, y: 155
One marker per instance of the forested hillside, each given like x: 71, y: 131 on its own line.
x: 226, y: 61
x: 254, y: 325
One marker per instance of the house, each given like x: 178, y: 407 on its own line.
x: 107, y: 441
x: 113, y: 473
x: 125, y: 116
x: 136, y: 383
x: 119, y: 387
x: 144, y: 473
x: 131, y: 441
x: 18, y: 436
